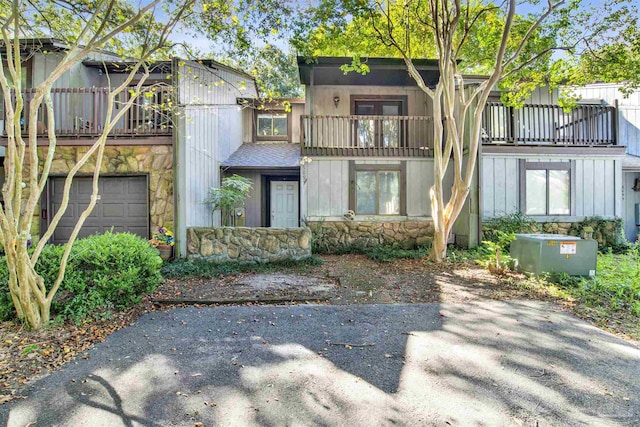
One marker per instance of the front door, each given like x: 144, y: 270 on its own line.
x: 284, y: 203
x: 375, y: 130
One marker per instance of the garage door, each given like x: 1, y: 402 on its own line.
x: 123, y: 206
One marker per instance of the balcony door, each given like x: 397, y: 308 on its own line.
x: 374, y: 130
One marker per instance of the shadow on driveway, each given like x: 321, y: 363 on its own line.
x: 486, y: 363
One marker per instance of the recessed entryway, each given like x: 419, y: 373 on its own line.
x: 284, y: 203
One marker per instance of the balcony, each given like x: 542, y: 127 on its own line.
x: 81, y: 112
x: 585, y: 125
x: 367, y: 136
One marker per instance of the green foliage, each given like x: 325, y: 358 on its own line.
x: 502, y: 230
x: 390, y: 253
x: 105, y: 272
x: 616, y: 286
x: 201, y: 268
x: 550, y: 57
x: 275, y: 71
x: 230, y: 196
x: 608, y: 232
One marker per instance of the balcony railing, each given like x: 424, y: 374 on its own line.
x: 82, y: 111
x: 585, y: 125
x: 386, y: 136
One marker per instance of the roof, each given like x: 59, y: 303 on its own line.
x: 267, y: 155
x: 162, y: 66
x: 325, y: 70
x: 39, y: 43
x: 631, y: 162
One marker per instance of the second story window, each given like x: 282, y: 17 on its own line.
x: 272, y: 126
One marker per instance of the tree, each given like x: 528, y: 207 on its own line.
x: 230, y: 197
x: 517, y: 51
x: 275, y: 71
x: 86, y: 27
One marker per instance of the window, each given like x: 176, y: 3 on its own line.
x: 272, y: 126
x: 547, y: 188
x: 377, y: 189
x: 375, y: 130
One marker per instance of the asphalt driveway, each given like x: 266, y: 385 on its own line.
x: 485, y: 363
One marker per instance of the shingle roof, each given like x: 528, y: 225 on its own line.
x: 271, y: 155
x: 630, y: 162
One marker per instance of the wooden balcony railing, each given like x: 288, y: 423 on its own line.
x: 385, y: 136
x: 82, y: 112
x: 585, y: 125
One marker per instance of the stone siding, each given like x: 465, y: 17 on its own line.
x: 330, y: 235
x: 244, y: 244
x: 154, y: 160
x: 609, y: 233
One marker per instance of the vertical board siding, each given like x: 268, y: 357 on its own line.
x: 588, y: 189
x: 202, y: 85
x: 327, y: 186
x: 595, y: 187
x: 209, y: 137
x: 631, y: 198
x: 628, y: 114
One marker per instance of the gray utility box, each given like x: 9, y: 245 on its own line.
x: 555, y: 253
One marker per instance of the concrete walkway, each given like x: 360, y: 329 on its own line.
x: 487, y: 363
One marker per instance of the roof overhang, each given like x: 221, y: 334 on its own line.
x: 382, y: 71
x: 39, y: 44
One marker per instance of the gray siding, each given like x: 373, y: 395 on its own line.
x: 322, y: 99
x: 629, y: 111
x: 631, y: 199
x: 209, y: 131
x: 326, y: 190
x: 596, y: 190
x: 208, y: 139
x: 202, y: 85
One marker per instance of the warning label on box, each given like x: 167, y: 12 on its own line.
x: 568, y: 248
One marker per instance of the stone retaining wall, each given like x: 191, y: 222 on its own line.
x: 608, y: 232
x: 330, y: 235
x: 244, y: 244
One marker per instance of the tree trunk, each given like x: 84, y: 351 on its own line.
x: 25, y: 287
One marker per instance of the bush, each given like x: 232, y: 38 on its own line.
x: 104, y: 272
x: 502, y: 230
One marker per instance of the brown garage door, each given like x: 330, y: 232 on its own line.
x: 123, y: 206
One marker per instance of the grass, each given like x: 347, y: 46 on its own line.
x: 382, y: 253
x: 616, y: 286
x: 190, y: 268
x: 611, y: 297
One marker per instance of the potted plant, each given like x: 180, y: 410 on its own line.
x: 163, y: 240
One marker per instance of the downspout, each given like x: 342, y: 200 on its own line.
x: 179, y: 210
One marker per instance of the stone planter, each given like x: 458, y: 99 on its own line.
x: 166, y: 252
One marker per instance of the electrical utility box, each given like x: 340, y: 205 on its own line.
x: 555, y: 253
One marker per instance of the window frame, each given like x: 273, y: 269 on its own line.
x: 263, y: 138
x: 390, y: 167
x: 547, y: 166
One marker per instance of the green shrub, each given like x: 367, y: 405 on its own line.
x: 104, y: 272
x: 502, y: 230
